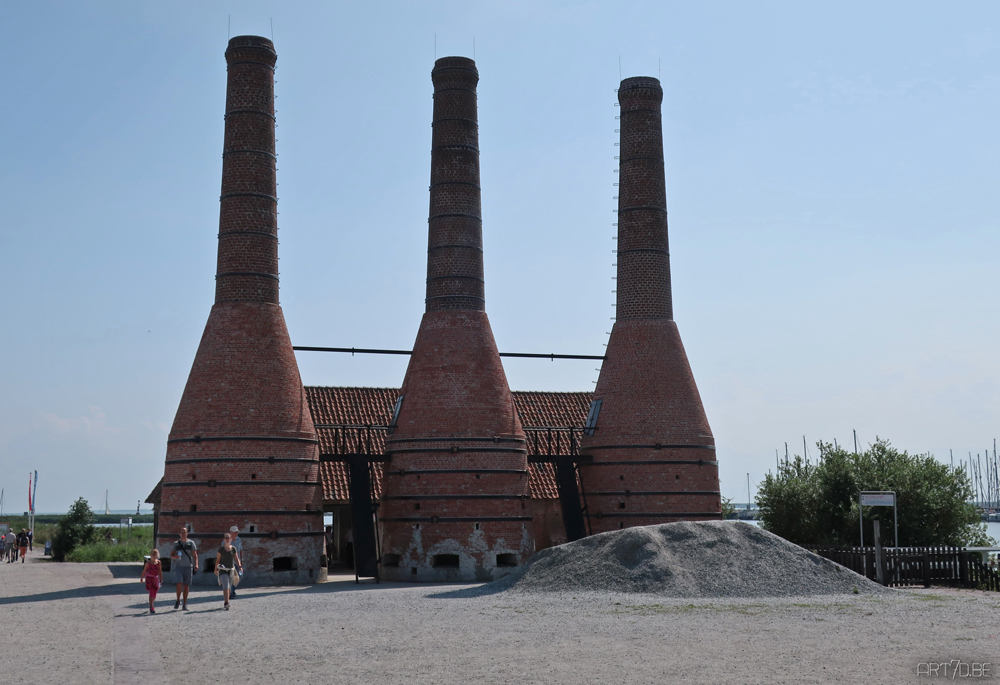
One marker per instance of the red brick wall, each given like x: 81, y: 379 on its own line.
x: 242, y: 450
x: 550, y: 530
x: 653, y: 454
x: 457, y: 483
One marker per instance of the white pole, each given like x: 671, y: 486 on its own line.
x: 895, y: 518
x: 878, y: 554
x: 861, y: 523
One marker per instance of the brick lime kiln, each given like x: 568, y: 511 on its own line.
x: 455, y: 500
x: 243, y: 450
x: 650, y: 451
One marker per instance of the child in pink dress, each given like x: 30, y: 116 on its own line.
x: 152, y: 574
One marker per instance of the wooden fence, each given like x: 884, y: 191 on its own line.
x: 913, y: 566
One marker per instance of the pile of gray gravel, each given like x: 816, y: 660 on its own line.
x: 688, y: 559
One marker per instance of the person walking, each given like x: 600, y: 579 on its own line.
x: 237, y: 541
x: 22, y: 544
x: 3, y: 546
x: 227, y: 561
x: 152, y: 575
x: 185, y: 561
x: 31, y: 538
x: 11, y: 546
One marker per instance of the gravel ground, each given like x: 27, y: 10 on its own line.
x: 86, y: 623
x: 703, y: 559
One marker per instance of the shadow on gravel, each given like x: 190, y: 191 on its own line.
x: 91, y: 591
x: 125, y: 570
x: 200, y: 594
x: 469, y: 592
x: 484, y: 590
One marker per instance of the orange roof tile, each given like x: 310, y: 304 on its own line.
x: 373, y: 407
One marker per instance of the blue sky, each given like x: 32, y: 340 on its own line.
x: 831, y: 182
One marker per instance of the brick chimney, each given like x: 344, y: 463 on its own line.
x: 455, y: 503
x: 652, y: 450
x: 242, y: 450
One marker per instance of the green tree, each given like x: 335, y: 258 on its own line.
x: 817, y: 503
x: 728, y: 508
x: 788, y: 502
x: 74, y: 530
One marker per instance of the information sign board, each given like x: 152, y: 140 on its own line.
x: 878, y: 499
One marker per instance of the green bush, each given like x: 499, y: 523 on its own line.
x: 817, y: 503
x: 74, y: 530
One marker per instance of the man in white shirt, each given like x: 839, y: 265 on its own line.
x: 11, y: 546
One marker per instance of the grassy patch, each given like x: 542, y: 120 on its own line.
x: 105, y: 551
x: 747, y: 609
x: 133, y: 548
x: 42, y: 531
x: 653, y: 608
x: 840, y: 606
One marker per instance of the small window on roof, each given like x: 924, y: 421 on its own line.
x: 395, y: 414
x: 595, y: 411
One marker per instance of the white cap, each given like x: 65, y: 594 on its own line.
x: 234, y: 529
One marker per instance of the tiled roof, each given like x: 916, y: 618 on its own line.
x: 373, y: 407
x: 154, y: 496
x: 542, y: 481
x: 351, y: 406
x: 354, y: 406
x: 555, y: 409
x: 333, y: 476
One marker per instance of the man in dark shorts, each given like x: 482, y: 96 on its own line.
x: 184, y: 556
x: 22, y: 544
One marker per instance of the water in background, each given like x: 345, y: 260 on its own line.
x: 992, y: 529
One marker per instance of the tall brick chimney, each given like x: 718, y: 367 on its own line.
x: 652, y: 450
x: 243, y: 449
x: 455, y: 503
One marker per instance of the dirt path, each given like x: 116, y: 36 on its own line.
x: 86, y: 623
